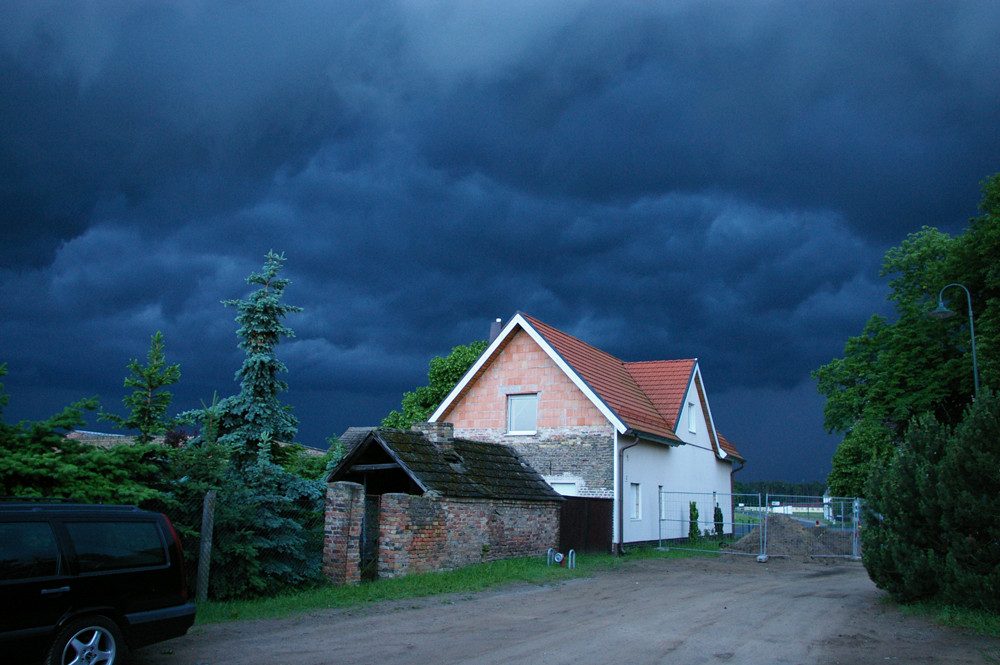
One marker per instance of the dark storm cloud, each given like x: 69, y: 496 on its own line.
x: 844, y: 106
x: 675, y: 179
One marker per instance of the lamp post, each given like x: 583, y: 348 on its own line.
x: 943, y: 312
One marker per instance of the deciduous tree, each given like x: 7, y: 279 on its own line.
x: 912, y: 365
x: 444, y: 373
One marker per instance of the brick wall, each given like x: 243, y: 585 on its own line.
x: 574, y: 440
x: 523, y: 367
x: 584, y: 454
x: 422, y: 534
x: 345, y: 510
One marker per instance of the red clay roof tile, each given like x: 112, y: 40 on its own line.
x: 646, y: 396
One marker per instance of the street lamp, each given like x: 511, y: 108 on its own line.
x: 943, y: 312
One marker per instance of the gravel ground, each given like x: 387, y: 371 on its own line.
x: 729, y: 609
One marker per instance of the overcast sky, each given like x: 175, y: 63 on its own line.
x: 660, y: 179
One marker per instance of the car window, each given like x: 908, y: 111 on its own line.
x: 115, y: 545
x: 27, y: 549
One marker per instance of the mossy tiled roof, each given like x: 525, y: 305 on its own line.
x: 458, y: 468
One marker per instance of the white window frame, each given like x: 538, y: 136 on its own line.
x: 564, y: 488
x: 692, y: 419
x: 521, y: 399
x: 636, y: 494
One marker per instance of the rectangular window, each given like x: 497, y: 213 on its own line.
x: 636, y: 501
x: 692, y: 418
x: 565, y: 489
x: 116, y: 545
x: 522, y: 411
x: 27, y: 549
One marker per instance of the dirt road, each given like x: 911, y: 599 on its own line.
x: 683, y: 612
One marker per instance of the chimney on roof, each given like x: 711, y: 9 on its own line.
x: 440, y: 434
x: 436, y: 432
x: 495, y: 329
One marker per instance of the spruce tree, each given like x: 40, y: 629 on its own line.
x: 254, y: 422
x: 932, y: 524
x: 149, y: 402
x: 273, y: 517
x: 37, y: 459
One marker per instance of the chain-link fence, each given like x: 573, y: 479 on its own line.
x: 761, y: 525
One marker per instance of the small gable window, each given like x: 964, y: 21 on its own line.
x: 522, y: 413
x: 692, y: 418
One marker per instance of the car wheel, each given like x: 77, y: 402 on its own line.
x: 94, y: 640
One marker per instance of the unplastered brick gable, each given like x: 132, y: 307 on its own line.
x: 523, y: 367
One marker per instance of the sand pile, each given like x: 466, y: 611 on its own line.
x: 786, y: 535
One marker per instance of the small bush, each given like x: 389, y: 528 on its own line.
x: 693, y: 531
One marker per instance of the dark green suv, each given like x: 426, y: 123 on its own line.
x: 79, y: 584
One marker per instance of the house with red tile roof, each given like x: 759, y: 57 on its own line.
x: 594, y: 425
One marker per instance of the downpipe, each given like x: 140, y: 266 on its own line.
x: 621, y: 494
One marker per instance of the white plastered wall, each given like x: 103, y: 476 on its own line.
x: 685, y: 468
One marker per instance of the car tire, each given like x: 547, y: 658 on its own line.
x: 93, y: 640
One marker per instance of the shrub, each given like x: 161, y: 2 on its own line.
x: 933, y: 512
x: 693, y: 532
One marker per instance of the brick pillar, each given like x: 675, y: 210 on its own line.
x: 345, y: 510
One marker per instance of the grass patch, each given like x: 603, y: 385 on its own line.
x: 980, y: 622
x: 464, y: 580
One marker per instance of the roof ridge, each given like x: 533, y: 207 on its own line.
x: 667, y: 360
x: 536, y: 323
x: 621, y: 392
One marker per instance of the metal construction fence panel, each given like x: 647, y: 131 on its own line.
x: 815, y: 526
x: 761, y: 525
x: 712, y: 521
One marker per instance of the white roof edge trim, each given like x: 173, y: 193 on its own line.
x: 708, y: 408
x: 519, y: 320
x: 576, y: 379
x: 464, y: 381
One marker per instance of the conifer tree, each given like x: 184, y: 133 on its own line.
x: 148, y: 403
x: 253, y: 422
x: 273, y: 516
x: 37, y: 459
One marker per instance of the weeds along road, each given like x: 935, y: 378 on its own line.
x: 681, y: 612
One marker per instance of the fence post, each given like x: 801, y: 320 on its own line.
x: 205, y: 553
x: 763, y: 531
x: 857, y: 528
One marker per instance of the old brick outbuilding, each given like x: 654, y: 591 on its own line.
x: 406, y: 502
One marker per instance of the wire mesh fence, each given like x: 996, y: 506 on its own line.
x: 761, y: 525
x: 711, y: 521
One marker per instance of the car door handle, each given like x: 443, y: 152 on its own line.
x: 62, y: 589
